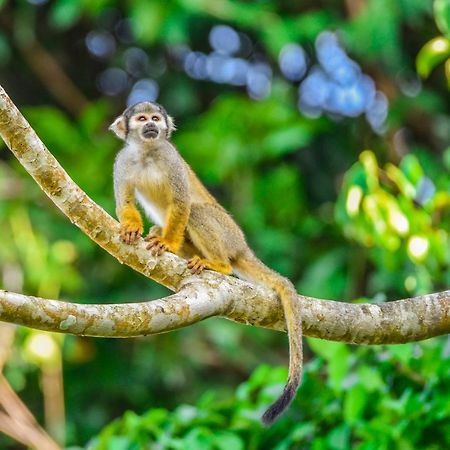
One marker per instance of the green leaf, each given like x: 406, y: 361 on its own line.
x: 148, y: 18
x: 329, y: 268
x: 55, y: 128
x: 432, y: 54
x: 226, y: 440
x: 338, y: 358
x: 411, y: 167
x: 65, y: 13
x: 199, y: 439
x: 325, y: 349
x: 446, y: 158
x: 95, y: 7
x: 287, y: 140
x: 442, y: 15
x: 402, y: 352
x: 447, y: 72
x: 339, y: 438
x: 302, y: 431
x: 377, y: 39
x: 119, y: 443
x: 338, y: 368
x: 354, y: 403
x: 370, y: 378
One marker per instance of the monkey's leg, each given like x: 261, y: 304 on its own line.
x: 173, y: 233
x: 206, y: 234
x: 197, y: 265
x: 188, y: 249
x: 131, y: 225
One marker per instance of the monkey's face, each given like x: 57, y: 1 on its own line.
x: 143, y: 122
x: 148, y: 125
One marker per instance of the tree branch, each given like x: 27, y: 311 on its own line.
x: 387, y: 323
x: 52, y: 76
x: 198, y: 297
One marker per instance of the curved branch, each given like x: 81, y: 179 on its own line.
x: 52, y: 76
x: 387, y: 323
x: 111, y: 320
x: 210, y: 294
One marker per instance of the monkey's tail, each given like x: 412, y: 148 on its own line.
x: 249, y: 267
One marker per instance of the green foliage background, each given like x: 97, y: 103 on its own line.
x: 289, y: 181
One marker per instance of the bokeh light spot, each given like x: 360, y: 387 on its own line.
x: 224, y: 39
x: 100, y: 44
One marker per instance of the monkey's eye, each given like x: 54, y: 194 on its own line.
x: 142, y: 118
x: 155, y: 118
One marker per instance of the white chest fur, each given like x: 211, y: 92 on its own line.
x: 147, y: 177
x: 156, y: 214
x: 146, y: 173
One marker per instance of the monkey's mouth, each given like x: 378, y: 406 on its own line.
x: 150, y: 132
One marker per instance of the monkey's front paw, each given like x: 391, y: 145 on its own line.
x: 157, y: 245
x: 196, y: 265
x: 130, y: 231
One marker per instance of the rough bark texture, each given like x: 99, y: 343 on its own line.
x: 387, y: 323
x: 198, y: 297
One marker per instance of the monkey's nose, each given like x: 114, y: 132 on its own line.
x: 150, y: 132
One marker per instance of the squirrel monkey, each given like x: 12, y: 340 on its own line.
x: 189, y: 221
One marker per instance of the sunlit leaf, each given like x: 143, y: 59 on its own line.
x: 418, y: 248
x: 354, y: 402
x: 442, y: 15
x: 227, y: 440
x: 338, y: 438
x: 447, y: 71
x: 370, y: 378
x: 369, y: 162
x: 411, y: 167
x: 65, y: 13
x: 148, y: 18
x: 96, y: 6
x: 431, y: 54
x: 399, y: 178
x: 402, y: 352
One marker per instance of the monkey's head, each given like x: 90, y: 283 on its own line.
x: 145, y: 121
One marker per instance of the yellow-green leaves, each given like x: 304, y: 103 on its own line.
x: 437, y: 49
x: 442, y: 15
x: 398, y: 212
x: 42, y: 348
x: 432, y: 54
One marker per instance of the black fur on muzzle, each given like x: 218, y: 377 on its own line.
x: 150, y: 131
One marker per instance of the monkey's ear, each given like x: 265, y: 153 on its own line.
x: 119, y: 128
x: 170, y: 126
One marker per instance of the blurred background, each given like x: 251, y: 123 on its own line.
x: 323, y: 127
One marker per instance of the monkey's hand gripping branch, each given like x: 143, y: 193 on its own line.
x: 197, y: 297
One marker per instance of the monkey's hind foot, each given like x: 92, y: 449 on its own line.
x: 197, y: 265
x: 156, y: 244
